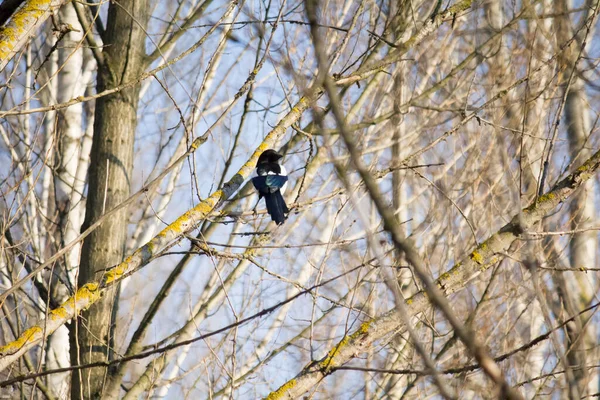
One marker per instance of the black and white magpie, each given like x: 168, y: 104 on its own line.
x: 271, y: 181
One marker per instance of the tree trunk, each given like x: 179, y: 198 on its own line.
x: 70, y: 132
x: 576, y: 289
x: 109, y: 184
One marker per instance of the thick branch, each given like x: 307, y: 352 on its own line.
x: 94, y: 290
x: 7, y: 8
x: 22, y: 25
x: 454, y: 280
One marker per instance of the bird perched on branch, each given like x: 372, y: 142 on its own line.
x: 271, y: 181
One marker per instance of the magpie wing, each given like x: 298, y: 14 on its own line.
x: 269, y: 183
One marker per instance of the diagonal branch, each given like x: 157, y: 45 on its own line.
x: 126, y: 85
x: 22, y: 25
x: 94, y: 290
x: 164, y: 46
x: 7, y: 9
x: 454, y: 280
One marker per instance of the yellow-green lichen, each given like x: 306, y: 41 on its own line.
x: 492, y: 261
x: 262, y: 147
x: 542, y: 199
x: 20, y: 23
x: 477, y: 257
x: 197, y: 142
x: 454, y: 270
x: 115, y: 273
x: 176, y: 226
x: 328, y: 361
x: 460, y: 6
x: 584, y: 168
x: 363, y: 329
x: 163, y: 233
x: 89, y: 292
x: 59, y: 313
x: 91, y: 287
x: 204, y: 208
x: 27, y: 336
x: 446, y: 275
x: 546, y: 197
x: 276, y: 395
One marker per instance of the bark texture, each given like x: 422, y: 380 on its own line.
x: 576, y: 288
x: 70, y: 132
x: 109, y: 184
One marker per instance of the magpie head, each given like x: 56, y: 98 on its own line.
x: 269, y: 156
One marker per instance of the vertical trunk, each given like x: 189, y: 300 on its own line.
x: 579, y: 285
x: 520, y: 115
x: 70, y: 132
x: 532, y: 155
x: 395, y: 386
x: 109, y: 184
x: 531, y: 166
x: 577, y: 288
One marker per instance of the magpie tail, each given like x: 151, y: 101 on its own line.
x: 276, y: 207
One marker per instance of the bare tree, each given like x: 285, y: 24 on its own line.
x: 442, y: 161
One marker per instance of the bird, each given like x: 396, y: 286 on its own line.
x: 270, y: 181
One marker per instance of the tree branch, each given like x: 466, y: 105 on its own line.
x: 454, y: 280
x: 94, y: 290
x: 8, y: 8
x: 22, y: 25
